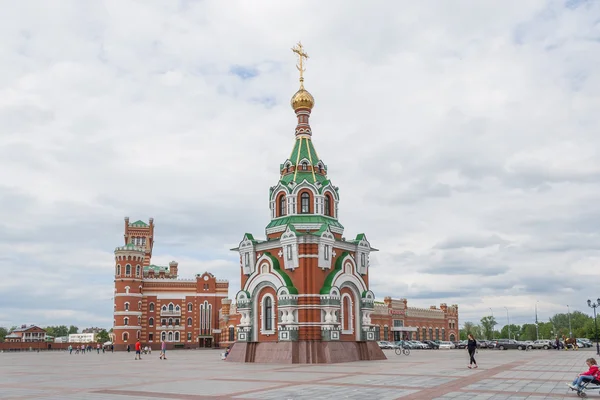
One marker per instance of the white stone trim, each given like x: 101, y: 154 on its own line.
x: 128, y: 295
x: 127, y: 327
x: 308, y: 256
x: 134, y: 313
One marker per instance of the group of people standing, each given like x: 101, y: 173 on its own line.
x: 83, y: 348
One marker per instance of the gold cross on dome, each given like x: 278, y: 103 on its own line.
x: 299, y: 50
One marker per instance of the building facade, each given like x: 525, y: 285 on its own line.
x: 82, y: 338
x: 27, y: 333
x: 394, y: 320
x: 305, y: 288
x: 152, y: 304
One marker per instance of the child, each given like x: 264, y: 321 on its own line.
x: 588, y: 375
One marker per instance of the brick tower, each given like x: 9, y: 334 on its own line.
x: 305, y: 296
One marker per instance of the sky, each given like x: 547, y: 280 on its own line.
x: 461, y: 135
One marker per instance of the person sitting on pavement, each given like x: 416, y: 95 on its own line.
x: 588, y: 375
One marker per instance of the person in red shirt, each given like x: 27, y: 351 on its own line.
x: 588, y: 375
x: 138, y: 350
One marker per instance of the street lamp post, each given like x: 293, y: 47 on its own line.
x: 594, y: 306
x: 508, y: 322
x: 537, y: 331
x: 494, y: 325
x: 570, y: 331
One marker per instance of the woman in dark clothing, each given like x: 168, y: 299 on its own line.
x: 472, y: 347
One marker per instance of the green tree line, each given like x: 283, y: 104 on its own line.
x: 582, y: 326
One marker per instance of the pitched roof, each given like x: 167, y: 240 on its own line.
x: 139, y: 223
x: 304, y: 219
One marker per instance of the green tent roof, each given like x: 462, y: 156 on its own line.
x: 304, y: 219
x: 139, y: 223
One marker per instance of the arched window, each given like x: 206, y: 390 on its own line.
x: 190, y: 307
x: 127, y: 289
x: 189, y: 322
x: 151, y: 321
x: 138, y: 334
x: 288, y: 169
x: 171, y: 307
x: 164, y: 308
x: 125, y: 321
x: 170, y: 321
x: 163, y: 336
x: 177, y: 322
x: 320, y: 169
x: 126, y: 306
x: 139, y: 305
x: 125, y: 336
x: 177, y: 308
x: 139, y: 320
x: 268, y: 313
x: 304, y: 166
x: 170, y: 336
x: 327, y: 205
x: 177, y: 336
x: 346, y: 314
x: 128, y: 270
x: 282, y: 205
x: 304, y: 203
x: 163, y: 322
x: 137, y: 271
x: 118, y: 270
x: 151, y: 307
x: 231, y: 334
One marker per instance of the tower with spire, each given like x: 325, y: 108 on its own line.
x: 305, y: 294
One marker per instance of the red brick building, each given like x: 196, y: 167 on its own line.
x: 152, y: 304
x: 26, y: 334
x: 394, y: 321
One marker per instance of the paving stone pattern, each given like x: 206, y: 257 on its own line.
x: 200, y: 374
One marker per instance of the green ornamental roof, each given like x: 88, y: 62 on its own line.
x: 304, y: 219
x: 156, y: 268
x: 139, y: 223
x: 303, y: 150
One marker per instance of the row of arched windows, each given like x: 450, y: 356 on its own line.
x: 138, y: 241
x: 304, y: 166
x: 138, y: 270
x: 171, y: 307
x: 126, y: 306
x: 305, y: 204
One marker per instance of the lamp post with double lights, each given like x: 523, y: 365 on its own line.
x: 594, y: 306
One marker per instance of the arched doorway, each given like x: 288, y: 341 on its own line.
x: 452, y: 337
x: 351, y: 310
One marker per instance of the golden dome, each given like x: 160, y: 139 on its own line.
x: 302, y: 99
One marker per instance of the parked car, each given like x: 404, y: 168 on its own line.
x: 543, y: 344
x: 527, y: 344
x: 447, y: 345
x: 482, y: 344
x: 505, y: 344
x: 583, y: 343
x: 385, y: 345
x: 431, y: 344
x: 462, y: 344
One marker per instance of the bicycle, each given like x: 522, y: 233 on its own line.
x: 402, y: 350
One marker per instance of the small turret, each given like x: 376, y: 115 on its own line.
x: 173, y: 269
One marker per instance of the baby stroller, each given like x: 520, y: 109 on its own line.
x: 586, y: 386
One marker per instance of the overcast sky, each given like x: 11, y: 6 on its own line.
x: 463, y: 136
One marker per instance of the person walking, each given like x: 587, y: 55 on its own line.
x: 98, y: 348
x: 138, y: 350
x: 163, y: 350
x: 471, y: 348
x: 70, y: 349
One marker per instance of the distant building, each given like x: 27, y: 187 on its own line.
x: 153, y: 304
x: 31, y: 333
x: 82, y: 338
x: 92, y: 330
x: 394, y: 321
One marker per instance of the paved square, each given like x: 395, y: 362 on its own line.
x: 200, y: 374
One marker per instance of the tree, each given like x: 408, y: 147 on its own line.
x: 3, y: 333
x: 103, y: 336
x: 487, y: 326
x: 468, y: 327
x: 73, y: 329
x: 515, y: 331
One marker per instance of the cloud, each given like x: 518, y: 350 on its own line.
x: 462, y: 137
